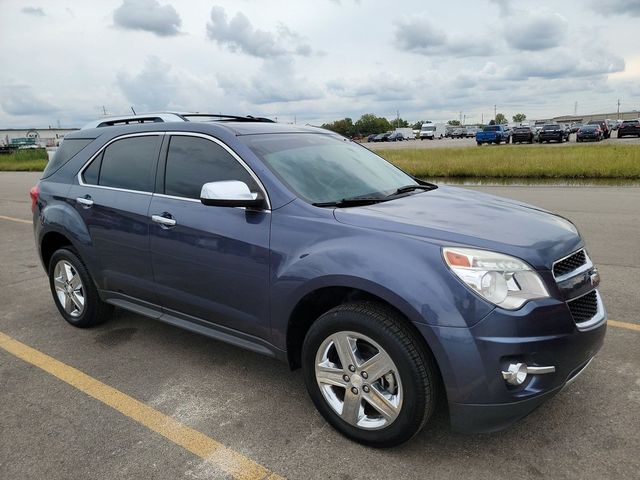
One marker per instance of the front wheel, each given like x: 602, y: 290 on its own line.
x: 73, y: 291
x: 368, y: 374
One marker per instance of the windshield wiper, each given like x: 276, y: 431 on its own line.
x: 351, y: 202
x: 410, y: 188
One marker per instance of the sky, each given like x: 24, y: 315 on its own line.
x: 66, y: 62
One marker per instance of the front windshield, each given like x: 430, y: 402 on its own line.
x: 324, y: 168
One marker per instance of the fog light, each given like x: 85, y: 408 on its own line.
x: 516, y: 374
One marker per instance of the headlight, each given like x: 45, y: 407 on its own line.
x: 505, y: 281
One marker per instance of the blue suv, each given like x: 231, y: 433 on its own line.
x: 389, y: 292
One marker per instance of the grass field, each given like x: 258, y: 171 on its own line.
x: 518, y: 161
x: 506, y: 161
x: 27, y: 160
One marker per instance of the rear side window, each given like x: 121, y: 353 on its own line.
x: 193, y: 161
x: 66, y: 151
x: 129, y: 163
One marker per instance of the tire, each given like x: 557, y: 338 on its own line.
x: 381, y: 333
x: 71, y: 283
x: 479, y: 144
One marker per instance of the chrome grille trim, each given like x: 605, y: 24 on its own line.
x: 582, y: 268
x: 599, y: 316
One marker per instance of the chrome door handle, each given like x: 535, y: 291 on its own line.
x: 164, y: 221
x: 86, y: 202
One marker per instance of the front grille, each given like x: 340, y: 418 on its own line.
x: 584, y: 308
x: 569, y: 264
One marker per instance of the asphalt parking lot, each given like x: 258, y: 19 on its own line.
x: 471, y: 142
x: 209, y: 410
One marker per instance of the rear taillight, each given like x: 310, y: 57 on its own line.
x: 34, y: 193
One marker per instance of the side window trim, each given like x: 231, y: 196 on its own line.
x: 100, y: 153
x: 163, y: 164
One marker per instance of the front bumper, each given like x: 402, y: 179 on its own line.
x: 486, y: 418
x: 471, y: 361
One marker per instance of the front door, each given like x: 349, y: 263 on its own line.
x: 209, y: 262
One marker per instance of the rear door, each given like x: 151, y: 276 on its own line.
x: 209, y: 262
x: 113, y: 198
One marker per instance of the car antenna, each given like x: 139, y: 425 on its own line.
x: 134, y: 112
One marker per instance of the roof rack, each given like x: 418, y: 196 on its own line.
x: 227, y: 118
x: 162, y: 117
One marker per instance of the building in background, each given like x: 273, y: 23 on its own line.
x: 41, y: 137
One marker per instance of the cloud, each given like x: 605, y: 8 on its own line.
x: 147, y: 15
x: 564, y: 65
x: 239, y: 35
x: 418, y: 35
x: 617, y: 7
x: 154, y: 88
x: 503, y: 5
x: 275, y: 82
x: 535, y: 31
x: 381, y: 87
x: 21, y: 100
x: 34, y: 11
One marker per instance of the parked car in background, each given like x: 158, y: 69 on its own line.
x: 606, y: 133
x: 493, y: 134
x: 553, y: 131
x: 371, y: 137
x: 459, y: 132
x: 522, y: 135
x: 471, y: 131
x: 612, y: 124
x: 381, y: 137
x: 589, y: 133
x: 575, y: 127
x: 629, y: 128
x: 389, y: 293
x: 395, y: 137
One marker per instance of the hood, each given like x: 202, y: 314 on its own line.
x: 457, y: 216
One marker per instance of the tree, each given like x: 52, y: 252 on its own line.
x: 398, y: 123
x: 417, y: 125
x: 369, y: 123
x: 519, y: 117
x: 455, y: 123
x: 501, y: 119
x: 344, y: 127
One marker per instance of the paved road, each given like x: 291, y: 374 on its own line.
x: 470, y: 142
x: 255, y: 406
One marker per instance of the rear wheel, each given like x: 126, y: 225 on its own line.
x: 74, y: 292
x: 368, y: 375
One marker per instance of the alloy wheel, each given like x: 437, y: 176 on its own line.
x: 69, y: 288
x: 359, y: 380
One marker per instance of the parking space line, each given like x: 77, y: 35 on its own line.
x: 12, y: 219
x: 210, y: 450
x: 627, y: 325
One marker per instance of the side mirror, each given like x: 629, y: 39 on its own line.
x: 232, y: 193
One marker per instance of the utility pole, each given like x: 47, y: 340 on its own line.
x: 397, y: 118
x: 618, y: 109
x: 464, y: 120
x: 575, y: 108
x: 482, y: 118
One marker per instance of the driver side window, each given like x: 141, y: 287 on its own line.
x: 194, y: 161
